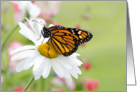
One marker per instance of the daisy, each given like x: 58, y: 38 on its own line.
x: 42, y: 61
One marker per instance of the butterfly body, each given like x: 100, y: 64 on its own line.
x: 65, y: 40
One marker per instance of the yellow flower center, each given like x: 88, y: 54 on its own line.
x: 47, y: 51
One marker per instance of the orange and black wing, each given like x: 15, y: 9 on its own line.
x: 66, y: 40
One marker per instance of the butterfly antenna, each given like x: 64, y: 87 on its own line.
x: 38, y: 22
x: 42, y: 22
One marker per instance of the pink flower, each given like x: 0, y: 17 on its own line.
x: 77, y: 26
x: 91, y: 84
x: 19, y: 89
x: 56, y: 23
x: 48, y: 8
x: 2, y: 79
x: 86, y: 65
x: 84, y: 44
x: 59, y: 81
x: 13, y: 45
x: 59, y: 89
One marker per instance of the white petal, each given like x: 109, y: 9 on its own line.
x: 75, y: 61
x: 78, y: 70
x: 68, y: 76
x: 70, y: 60
x: 37, y: 76
x: 23, y: 55
x: 34, y: 11
x: 38, y: 62
x: 20, y: 67
x: 74, y: 73
x: 23, y: 48
x: 46, y: 69
x: 29, y: 63
x: 74, y: 55
x: 39, y: 70
x: 38, y: 26
x: 51, y: 25
x: 25, y: 31
x: 33, y: 29
x: 64, y: 63
x: 57, y: 68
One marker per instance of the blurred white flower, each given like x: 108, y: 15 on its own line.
x: 23, y: 7
x: 43, y: 9
x: 63, y: 66
x: 48, y: 8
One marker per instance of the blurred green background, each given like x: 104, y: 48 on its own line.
x: 106, y: 51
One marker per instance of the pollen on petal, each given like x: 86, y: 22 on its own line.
x: 47, y: 51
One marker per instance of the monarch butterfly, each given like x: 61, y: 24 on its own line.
x: 65, y: 40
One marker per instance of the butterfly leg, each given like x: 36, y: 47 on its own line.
x: 42, y: 40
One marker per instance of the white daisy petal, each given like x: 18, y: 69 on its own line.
x: 74, y: 55
x: 51, y: 25
x: 35, y: 32
x: 38, y: 62
x: 29, y: 63
x: 57, y: 68
x: 77, y: 69
x: 68, y: 77
x: 64, y: 63
x: 38, y: 26
x: 75, y: 62
x: 23, y: 55
x: 25, y: 31
x: 74, y: 73
x: 38, y: 71
x: 28, y: 47
x: 67, y: 74
x: 20, y: 67
x: 46, y: 69
x: 36, y: 77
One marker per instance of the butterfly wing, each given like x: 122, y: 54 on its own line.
x: 66, y: 40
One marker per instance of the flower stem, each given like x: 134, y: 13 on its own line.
x: 9, y: 34
x: 29, y: 83
x: 42, y: 84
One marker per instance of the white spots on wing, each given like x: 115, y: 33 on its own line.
x: 79, y: 32
x: 72, y: 31
x: 80, y: 36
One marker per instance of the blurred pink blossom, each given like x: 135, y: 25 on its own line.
x: 19, y: 89
x: 91, y: 84
x: 56, y: 23
x: 13, y: 45
x: 60, y: 81
x: 84, y: 44
x: 77, y: 26
x: 86, y: 65
x: 2, y: 79
x: 59, y: 89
